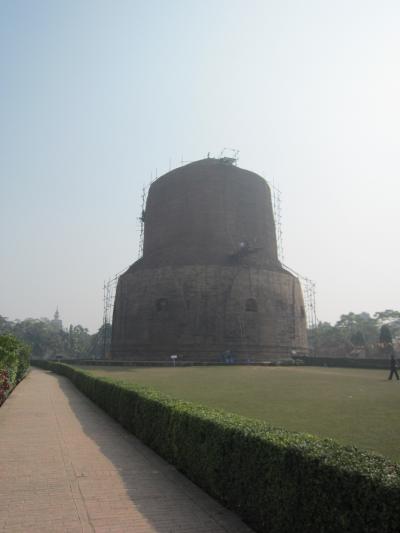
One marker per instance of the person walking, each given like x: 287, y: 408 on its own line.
x: 393, y: 367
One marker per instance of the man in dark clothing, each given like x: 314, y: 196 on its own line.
x: 393, y: 368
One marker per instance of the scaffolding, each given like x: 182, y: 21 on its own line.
x: 110, y: 286
x: 309, y: 302
x: 109, y: 289
x: 308, y: 288
x: 277, y: 210
x: 141, y: 221
x: 229, y: 156
x: 307, y: 285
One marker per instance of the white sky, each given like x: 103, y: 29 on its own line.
x: 96, y: 95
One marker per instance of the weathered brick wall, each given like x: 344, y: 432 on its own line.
x: 201, y: 311
x: 199, y: 213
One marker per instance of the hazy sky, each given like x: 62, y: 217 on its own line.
x: 96, y: 95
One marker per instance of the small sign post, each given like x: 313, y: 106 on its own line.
x: 174, y: 358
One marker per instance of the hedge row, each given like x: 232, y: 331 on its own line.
x: 14, y: 364
x: 344, y: 362
x: 277, y: 481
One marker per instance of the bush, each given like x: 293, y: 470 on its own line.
x: 277, y: 481
x: 14, y: 364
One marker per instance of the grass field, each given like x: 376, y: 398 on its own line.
x: 353, y: 406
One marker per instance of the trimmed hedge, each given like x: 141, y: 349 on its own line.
x: 344, y: 362
x: 277, y: 481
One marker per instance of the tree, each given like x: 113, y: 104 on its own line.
x: 353, y: 330
x: 329, y: 340
x: 101, y: 341
x: 390, y: 318
x: 385, y: 340
x: 78, y: 340
x: 361, y: 323
x: 357, y: 339
x: 385, y: 335
x: 387, y: 316
x: 6, y: 326
x: 47, y: 339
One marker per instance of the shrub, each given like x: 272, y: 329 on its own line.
x: 14, y: 363
x: 277, y: 481
x: 5, y: 385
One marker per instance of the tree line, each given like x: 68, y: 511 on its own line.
x: 357, y: 334
x: 48, y: 340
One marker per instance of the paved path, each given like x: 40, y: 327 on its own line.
x: 67, y: 466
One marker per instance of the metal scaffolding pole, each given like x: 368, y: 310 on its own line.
x: 109, y: 289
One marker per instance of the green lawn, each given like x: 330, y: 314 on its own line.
x: 353, y: 406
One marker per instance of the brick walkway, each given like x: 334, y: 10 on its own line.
x: 66, y: 466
